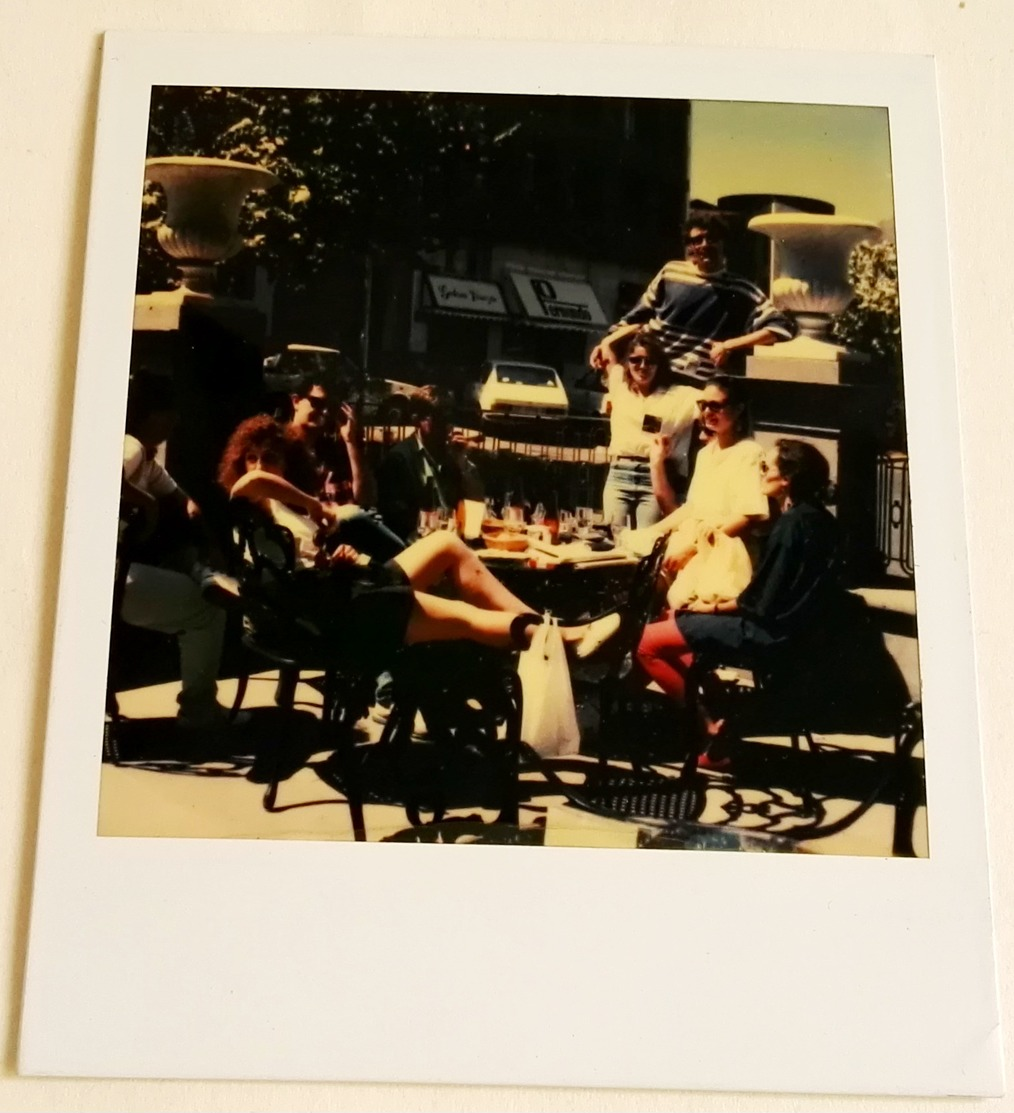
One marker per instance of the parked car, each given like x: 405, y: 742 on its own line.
x: 286, y: 371
x: 587, y: 395
x: 512, y: 389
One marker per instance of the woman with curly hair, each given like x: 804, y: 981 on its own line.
x: 374, y: 609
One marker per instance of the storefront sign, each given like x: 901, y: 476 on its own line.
x: 463, y: 295
x: 558, y: 301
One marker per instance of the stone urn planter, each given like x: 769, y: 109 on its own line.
x: 203, y: 200
x: 811, y: 266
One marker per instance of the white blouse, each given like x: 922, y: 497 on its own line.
x: 727, y: 483
x: 675, y: 408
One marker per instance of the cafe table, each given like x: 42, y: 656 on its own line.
x: 572, y: 581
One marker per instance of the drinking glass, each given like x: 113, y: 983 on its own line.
x: 514, y: 517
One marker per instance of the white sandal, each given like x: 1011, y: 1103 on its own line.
x: 597, y: 634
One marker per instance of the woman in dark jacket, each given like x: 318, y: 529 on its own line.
x: 793, y: 594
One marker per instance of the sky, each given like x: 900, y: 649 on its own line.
x: 835, y: 153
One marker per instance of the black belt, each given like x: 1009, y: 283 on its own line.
x: 639, y: 459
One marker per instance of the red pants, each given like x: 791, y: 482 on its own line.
x: 665, y: 656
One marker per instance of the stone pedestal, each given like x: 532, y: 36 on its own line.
x: 212, y: 346
x: 213, y: 349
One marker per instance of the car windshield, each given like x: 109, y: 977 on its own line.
x: 521, y: 374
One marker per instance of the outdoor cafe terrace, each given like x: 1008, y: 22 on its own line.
x: 312, y: 763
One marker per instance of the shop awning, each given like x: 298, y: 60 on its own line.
x: 558, y: 302
x: 449, y: 296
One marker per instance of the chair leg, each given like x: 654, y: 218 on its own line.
x: 905, y: 796
x: 237, y: 703
x: 285, y: 700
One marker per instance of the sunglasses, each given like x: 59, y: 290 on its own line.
x: 711, y: 407
x: 637, y: 361
x: 700, y: 239
x: 268, y: 456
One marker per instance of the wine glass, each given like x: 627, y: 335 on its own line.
x: 583, y: 521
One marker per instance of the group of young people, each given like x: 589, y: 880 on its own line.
x: 369, y: 591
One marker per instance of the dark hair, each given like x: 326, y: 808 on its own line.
x: 649, y: 341
x: 806, y: 470
x: 428, y: 401
x: 737, y: 398
x: 147, y: 393
x: 711, y: 222
x: 264, y: 432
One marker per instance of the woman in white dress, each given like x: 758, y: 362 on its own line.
x: 725, y: 492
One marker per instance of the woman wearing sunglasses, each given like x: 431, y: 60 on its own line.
x: 372, y: 609
x: 646, y: 408
x: 725, y: 491
x: 794, y: 591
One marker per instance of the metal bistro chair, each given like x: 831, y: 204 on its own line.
x: 293, y: 646
x: 617, y: 698
x: 470, y: 700
x: 793, y: 692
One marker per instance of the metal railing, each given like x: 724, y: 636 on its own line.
x: 894, y: 515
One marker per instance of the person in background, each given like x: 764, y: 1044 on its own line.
x: 429, y: 470
x: 646, y: 411
x: 795, y: 592
x: 171, y: 561
x: 701, y: 313
x: 328, y: 428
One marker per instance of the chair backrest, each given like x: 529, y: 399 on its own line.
x: 642, y: 600
x: 266, y: 550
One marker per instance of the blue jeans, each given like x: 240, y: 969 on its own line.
x: 627, y: 497
x: 366, y: 533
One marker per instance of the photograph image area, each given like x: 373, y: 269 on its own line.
x: 515, y: 469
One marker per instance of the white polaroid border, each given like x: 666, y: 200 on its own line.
x: 292, y: 960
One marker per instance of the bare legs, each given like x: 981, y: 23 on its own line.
x: 665, y: 656
x: 428, y: 560
x: 487, y: 612
x: 436, y: 620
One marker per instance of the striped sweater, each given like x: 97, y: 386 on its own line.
x: 689, y: 310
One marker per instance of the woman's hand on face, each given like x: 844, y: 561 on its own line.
x: 349, y: 430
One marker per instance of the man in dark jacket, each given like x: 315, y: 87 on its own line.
x: 427, y: 471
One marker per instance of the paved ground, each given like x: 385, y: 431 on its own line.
x: 196, y: 789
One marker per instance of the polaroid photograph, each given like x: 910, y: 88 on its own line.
x: 469, y: 451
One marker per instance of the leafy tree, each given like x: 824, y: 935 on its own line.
x: 399, y: 172
x: 871, y: 323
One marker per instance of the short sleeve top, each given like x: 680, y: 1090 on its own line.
x: 148, y: 475
x: 726, y: 483
x: 675, y: 408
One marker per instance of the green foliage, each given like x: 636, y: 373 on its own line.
x: 872, y: 321
x: 399, y: 172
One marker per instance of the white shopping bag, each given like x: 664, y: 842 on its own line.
x: 548, y: 720
x: 717, y: 573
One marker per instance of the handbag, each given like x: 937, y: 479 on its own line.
x: 548, y: 718
x: 717, y: 573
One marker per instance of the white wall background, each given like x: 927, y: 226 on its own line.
x: 50, y: 64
